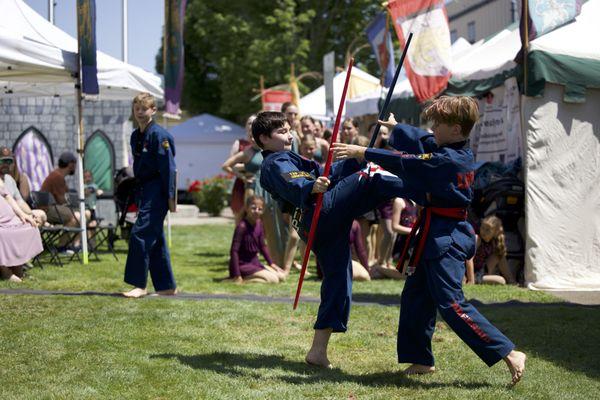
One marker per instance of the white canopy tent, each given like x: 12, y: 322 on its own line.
x: 39, y: 59
x: 313, y: 104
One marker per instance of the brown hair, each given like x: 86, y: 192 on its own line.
x: 265, y: 123
x: 499, y: 241
x: 145, y: 99
x: 308, y: 138
x: 461, y: 110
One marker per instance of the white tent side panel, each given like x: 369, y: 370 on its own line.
x: 563, y: 191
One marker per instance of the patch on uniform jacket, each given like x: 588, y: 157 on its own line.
x: 165, y: 144
x: 288, y: 176
x: 425, y: 156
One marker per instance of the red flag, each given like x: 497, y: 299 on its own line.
x: 428, y: 66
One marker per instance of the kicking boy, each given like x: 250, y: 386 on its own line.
x: 294, y: 181
x: 440, y: 167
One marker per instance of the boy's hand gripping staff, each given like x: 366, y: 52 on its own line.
x: 388, y: 98
x: 315, y: 217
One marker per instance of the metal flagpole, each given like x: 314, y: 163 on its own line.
x: 82, y: 219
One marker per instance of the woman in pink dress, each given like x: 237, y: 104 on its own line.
x: 20, y: 239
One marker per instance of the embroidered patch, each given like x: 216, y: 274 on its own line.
x: 425, y: 156
x: 165, y: 144
x: 288, y: 176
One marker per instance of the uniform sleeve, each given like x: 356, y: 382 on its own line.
x: 263, y: 246
x: 412, y: 140
x: 234, y: 253
x: 341, y: 169
x: 284, y: 178
x: 424, y: 172
x: 165, y: 155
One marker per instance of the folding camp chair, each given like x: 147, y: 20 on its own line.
x: 52, y: 234
x: 108, y: 221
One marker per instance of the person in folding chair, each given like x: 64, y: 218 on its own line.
x: 154, y: 170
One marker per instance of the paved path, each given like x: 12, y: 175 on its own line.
x: 359, y: 299
x: 581, y: 297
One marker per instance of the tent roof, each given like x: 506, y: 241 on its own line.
x: 38, y: 59
x: 206, y: 128
x: 313, y: 104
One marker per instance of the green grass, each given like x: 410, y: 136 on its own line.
x: 97, y: 347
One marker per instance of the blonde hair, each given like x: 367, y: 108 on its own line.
x: 309, y: 138
x: 460, y: 110
x: 361, y: 141
x: 145, y: 99
x: 499, y: 241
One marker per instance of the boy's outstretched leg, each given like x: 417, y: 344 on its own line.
x: 516, y: 365
x: 317, y: 355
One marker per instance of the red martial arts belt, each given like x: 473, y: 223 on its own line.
x: 453, y: 213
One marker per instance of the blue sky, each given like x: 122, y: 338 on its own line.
x: 145, y: 19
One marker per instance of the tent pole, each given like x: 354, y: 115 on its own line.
x: 82, y: 219
x: 169, y: 237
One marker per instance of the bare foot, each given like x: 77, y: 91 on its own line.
x: 418, y: 369
x: 14, y: 278
x: 516, y: 364
x: 135, y: 293
x: 168, y: 292
x: 318, y: 360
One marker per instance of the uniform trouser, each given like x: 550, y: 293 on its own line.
x: 147, y: 246
x: 345, y: 201
x: 435, y: 286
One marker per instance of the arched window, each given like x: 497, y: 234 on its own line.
x: 34, y: 156
x: 99, y: 159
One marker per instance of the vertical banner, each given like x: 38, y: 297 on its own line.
x: 429, y: 57
x: 86, y: 35
x: 272, y: 100
x: 381, y: 42
x: 547, y: 15
x: 173, y: 55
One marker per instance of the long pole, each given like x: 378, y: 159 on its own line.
x: 82, y: 220
x: 124, y: 48
x: 315, y: 217
x: 388, y: 98
x: 51, y: 11
x: 525, y: 12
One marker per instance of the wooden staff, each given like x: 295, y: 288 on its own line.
x: 315, y: 217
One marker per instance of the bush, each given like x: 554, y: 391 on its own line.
x: 210, y: 195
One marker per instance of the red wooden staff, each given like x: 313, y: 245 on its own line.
x: 315, y: 218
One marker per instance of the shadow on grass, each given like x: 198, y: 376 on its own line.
x: 249, y: 365
x: 214, y: 254
x: 561, y: 333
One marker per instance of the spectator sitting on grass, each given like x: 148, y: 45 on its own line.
x: 248, y: 240
x: 490, y: 256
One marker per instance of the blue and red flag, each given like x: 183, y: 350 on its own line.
x: 381, y: 41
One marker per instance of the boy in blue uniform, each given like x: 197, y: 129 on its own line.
x: 440, y: 168
x: 294, y: 181
x: 154, y: 170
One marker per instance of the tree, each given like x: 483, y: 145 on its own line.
x: 230, y: 44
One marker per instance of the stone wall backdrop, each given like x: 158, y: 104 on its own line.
x: 56, y: 119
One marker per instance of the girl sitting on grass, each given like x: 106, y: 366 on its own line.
x: 248, y: 240
x: 490, y: 256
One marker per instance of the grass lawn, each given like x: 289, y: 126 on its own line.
x: 90, y: 347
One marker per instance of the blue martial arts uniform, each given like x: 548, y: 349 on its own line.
x: 443, y: 175
x: 154, y: 171
x: 289, y: 178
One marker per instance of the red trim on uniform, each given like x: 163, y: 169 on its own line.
x: 465, y: 317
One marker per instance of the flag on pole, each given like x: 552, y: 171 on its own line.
x: 429, y: 58
x: 173, y: 55
x: 381, y: 41
x: 547, y: 15
x: 86, y: 35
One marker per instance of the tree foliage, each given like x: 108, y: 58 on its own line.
x: 230, y: 44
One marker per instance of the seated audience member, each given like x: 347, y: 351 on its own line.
x: 349, y: 131
x: 248, y: 240
x: 309, y: 127
x: 56, y: 185
x: 91, y: 190
x: 8, y: 166
x: 489, y: 264
x: 20, y: 239
x: 10, y: 186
